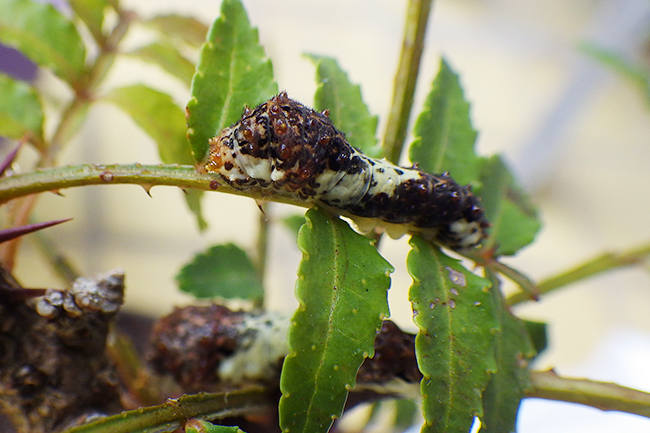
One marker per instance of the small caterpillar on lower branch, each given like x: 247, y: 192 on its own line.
x: 283, y: 145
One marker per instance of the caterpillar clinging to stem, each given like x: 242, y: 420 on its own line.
x: 283, y: 145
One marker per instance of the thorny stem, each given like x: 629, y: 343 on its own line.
x: 601, y: 395
x: 597, y: 265
x: 70, y: 120
x: 417, y: 16
x: 147, y: 176
x: 171, y: 415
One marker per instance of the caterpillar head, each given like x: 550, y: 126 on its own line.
x: 279, y: 144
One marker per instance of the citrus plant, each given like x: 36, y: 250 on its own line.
x: 474, y: 356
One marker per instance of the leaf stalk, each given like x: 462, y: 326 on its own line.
x: 601, y: 395
x: 599, y: 264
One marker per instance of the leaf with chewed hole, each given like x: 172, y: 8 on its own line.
x: 342, y: 290
x: 159, y: 116
x: 444, y: 136
x: 44, y: 35
x: 453, y: 309
x: 233, y: 72
x: 21, y: 111
x: 513, y: 218
x: 223, y: 271
x: 346, y: 108
x: 513, y: 350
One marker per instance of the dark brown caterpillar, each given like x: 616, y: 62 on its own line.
x: 283, y: 145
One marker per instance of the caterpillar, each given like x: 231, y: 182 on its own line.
x: 283, y: 145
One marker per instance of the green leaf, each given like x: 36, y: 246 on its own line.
x: 91, y: 13
x: 159, y: 116
x: 513, y: 217
x: 513, y: 351
x: 342, y: 289
x: 347, y: 111
x: 21, y: 111
x: 444, y: 136
x: 45, y: 36
x: 233, y: 72
x: 223, y: 271
x: 638, y: 75
x: 538, y: 335
x: 454, y: 312
x: 198, y: 426
x: 167, y: 57
x: 293, y: 223
x: 188, y: 29
x: 193, y: 199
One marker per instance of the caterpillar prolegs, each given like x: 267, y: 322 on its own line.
x: 283, y: 145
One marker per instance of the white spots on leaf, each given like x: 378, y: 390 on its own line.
x: 457, y: 277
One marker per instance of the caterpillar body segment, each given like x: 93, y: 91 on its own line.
x: 283, y: 145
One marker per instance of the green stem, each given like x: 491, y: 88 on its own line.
x: 147, y: 176
x: 133, y: 373
x: 530, y: 290
x: 262, y: 244
x: 417, y: 16
x: 597, y: 265
x: 171, y: 415
x: 601, y: 395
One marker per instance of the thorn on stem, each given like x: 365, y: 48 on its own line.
x: 14, y: 232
